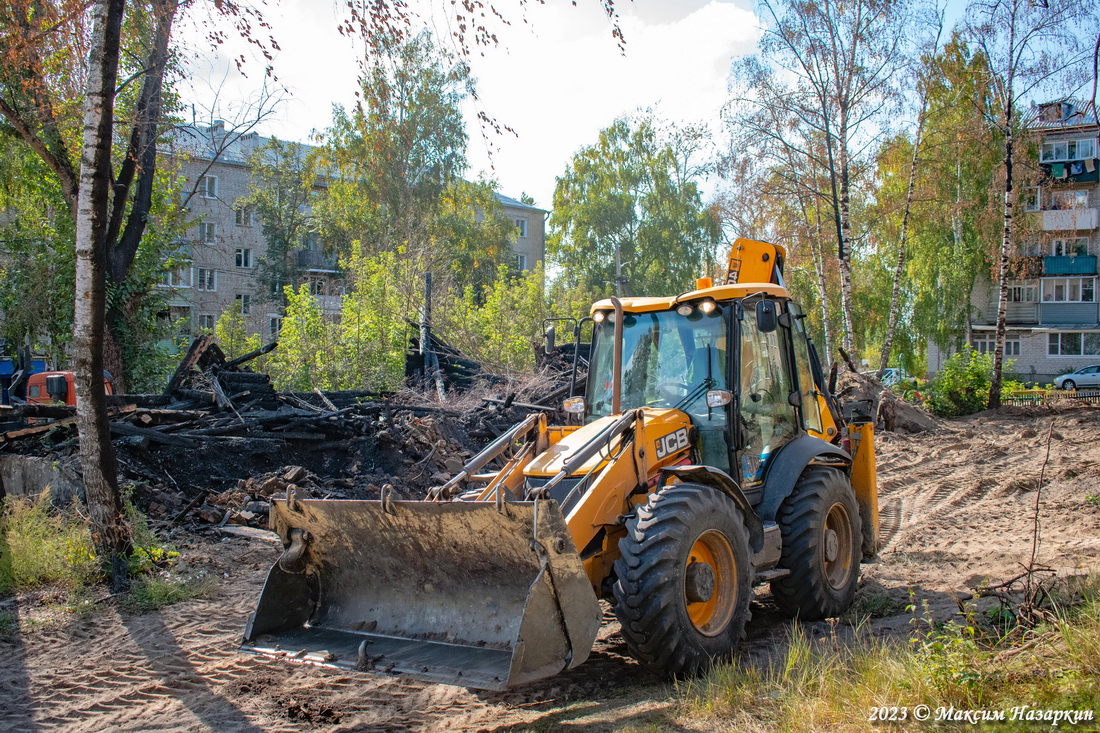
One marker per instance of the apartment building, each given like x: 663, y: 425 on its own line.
x: 225, y: 245
x: 1053, y: 323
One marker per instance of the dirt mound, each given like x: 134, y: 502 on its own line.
x: 890, y: 411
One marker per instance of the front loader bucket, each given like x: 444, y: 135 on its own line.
x: 465, y: 593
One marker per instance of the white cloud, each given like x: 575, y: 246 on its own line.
x: 556, y: 80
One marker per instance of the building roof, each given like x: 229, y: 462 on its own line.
x: 1064, y: 114
x: 203, y: 143
x: 516, y: 204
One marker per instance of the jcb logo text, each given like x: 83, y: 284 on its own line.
x: 672, y: 443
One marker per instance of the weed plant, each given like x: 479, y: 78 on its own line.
x: 825, y: 682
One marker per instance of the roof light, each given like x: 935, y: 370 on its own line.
x: 599, y: 316
x: 685, y: 309
x: 708, y: 306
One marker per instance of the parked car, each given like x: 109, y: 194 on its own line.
x: 1086, y: 377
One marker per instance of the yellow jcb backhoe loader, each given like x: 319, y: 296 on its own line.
x: 710, y: 456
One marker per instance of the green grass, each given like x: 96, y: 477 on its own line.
x: 42, y: 546
x: 831, y: 684
x: 39, y: 545
x: 163, y: 589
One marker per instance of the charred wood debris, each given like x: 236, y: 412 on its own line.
x: 221, y: 442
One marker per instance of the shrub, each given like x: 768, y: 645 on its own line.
x: 962, y: 386
x: 39, y: 544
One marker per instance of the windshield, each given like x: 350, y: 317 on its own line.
x: 667, y: 361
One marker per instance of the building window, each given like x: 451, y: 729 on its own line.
x: 1073, y: 343
x: 1031, y: 248
x: 208, y: 187
x: 317, y: 286
x: 309, y: 242
x: 1069, y: 246
x: 206, y: 322
x: 1068, y: 150
x: 521, y: 262
x: 207, y: 280
x: 521, y: 224
x: 242, y: 257
x: 1023, y: 292
x: 1069, y: 200
x: 274, y: 325
x: 1031, y: 198
x: 180, y: 278
x: 245, y: 302
x: 207, y: 233
x: 1069, y: 290
x: 986, y: 343
x: 244, y: 216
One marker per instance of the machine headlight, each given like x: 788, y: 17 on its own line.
x: 599, y: 316
x: 708, y: 306
x: 686, y: 309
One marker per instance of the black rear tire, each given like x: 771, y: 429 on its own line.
x: 684, y: 580
x: 822, y: 546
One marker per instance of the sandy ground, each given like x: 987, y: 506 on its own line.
x: 957, y: 507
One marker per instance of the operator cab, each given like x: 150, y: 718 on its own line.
x: 745, y: 402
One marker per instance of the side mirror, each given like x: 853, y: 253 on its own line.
x: 767, y: 316
x: 574, y: 405
x: 57, y: 387
x: 550, y: 335
x: 719, y: 397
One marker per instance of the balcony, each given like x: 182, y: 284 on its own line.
x: 1068, y: 314
x: 314, y: 259
x: 1069, y: 220
x: 1085, y: 176
x: 1079, y: 265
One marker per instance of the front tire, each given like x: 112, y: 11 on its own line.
x: 684, y: 580
x: 1069, y: 384
x: 822, y: 546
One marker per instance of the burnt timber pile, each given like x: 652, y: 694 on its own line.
x: 220, y: 442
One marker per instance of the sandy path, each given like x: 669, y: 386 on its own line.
x: 956, y: 506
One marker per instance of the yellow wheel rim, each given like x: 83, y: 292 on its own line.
x: 710, y: 566
x: 837, y: 546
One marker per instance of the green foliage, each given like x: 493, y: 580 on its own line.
x: 36, y: 277
x: 962, y: 386
x: 231, y: 332
x: 951, y: 222
x: 828, y: 682
x: 629, y: 192
x: 500, y: 325
x: 280, y: 194
x: 148, y: 551
x: 394, y: 165
x: 39, y: 544
x: 372, y: 330
x: 302, y: 360
x: 159, y: 590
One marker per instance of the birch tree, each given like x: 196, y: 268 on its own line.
x: 824, y: 74
x: 1031, y: 48
x: 924, y: 74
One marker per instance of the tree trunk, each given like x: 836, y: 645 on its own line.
x: 110, y: 533
x: 845, y: 260
x: 1006, y: 242
x: 895, y: 297
x: 823, y: 289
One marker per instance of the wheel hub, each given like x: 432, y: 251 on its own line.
x: 699, y: 582
x: 832, y: 545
